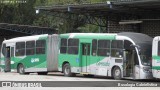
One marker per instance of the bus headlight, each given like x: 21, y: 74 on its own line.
x: 146, y: 70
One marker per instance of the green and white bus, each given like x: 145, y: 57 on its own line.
x: 38, y: 53
x: 122, y: 55
x: 156, y: 57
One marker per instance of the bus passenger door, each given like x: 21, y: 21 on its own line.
x: 7, y: 60
x: 85, y: 57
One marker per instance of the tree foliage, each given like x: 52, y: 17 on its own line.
x: 24, y: 13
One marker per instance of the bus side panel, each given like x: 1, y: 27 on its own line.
x: 73, y: 60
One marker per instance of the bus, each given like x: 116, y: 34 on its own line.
x: 37, y: 53
x: 123, y: 55
x: 156, y: 57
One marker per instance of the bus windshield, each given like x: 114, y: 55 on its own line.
x: 146, y: 54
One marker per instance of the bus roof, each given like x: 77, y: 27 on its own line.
x: 89, y: 35
x: 26, y: 38
x: 137, y: 37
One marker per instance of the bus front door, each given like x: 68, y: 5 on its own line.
x: 7, y: 60
x: 85, y: 57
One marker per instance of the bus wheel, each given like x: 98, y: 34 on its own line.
x: 42, y: 73
x: 117, y: 73
x: 21, y: 69
x: 67, y: 70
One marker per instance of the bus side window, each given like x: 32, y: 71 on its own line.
x: 94, y: 47
x: 158, y: 48
x: 103, y: 48
x: 40, y: 46
x: 30, y: 47
x: 63, y: 47
x: 117, y: 48
x: 73, y: 45
x: 20, y: 49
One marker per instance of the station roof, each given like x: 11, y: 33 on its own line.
x: 9, y: 29
x: 114, y: 6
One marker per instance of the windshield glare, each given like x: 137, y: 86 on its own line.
x: 146, y: 54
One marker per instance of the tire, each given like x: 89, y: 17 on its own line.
x: 42, y: 73
x: 117, y: 73
x: 21, y: 69
x: 67, y: 70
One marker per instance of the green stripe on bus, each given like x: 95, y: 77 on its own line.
x: 157, y: 58
x: 156, y: 67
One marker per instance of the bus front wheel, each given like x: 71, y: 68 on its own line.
x: 117, y: 73
x: 67, y: 70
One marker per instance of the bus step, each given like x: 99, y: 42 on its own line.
x: 84, y: 73
x: 128, y: 77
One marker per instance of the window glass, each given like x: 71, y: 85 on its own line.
x: 103, y: 48
x: 63, y: 47
x: 127, y: 44
x: 73, y: 45
x: 85, y: 49
x: 20, y: 49
x: 30, y: 47
x: 40, y: 46
x: 117, y: 48
x: 94, y: 47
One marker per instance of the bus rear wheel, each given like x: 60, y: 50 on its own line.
x: 67, y: 70
x: 21, y: 69
x: 117, y: 73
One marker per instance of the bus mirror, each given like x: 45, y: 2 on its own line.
x: 135, y: 46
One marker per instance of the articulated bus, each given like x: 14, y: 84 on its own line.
x: 38, y: 53
x: 156, y: 57
x: 122, y: 55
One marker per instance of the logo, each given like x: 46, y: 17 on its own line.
x: 33, y: 60
x: 6, y: 84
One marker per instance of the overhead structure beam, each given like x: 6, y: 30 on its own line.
x: 26, y: 29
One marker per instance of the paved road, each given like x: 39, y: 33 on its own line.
x: 58, y: 80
